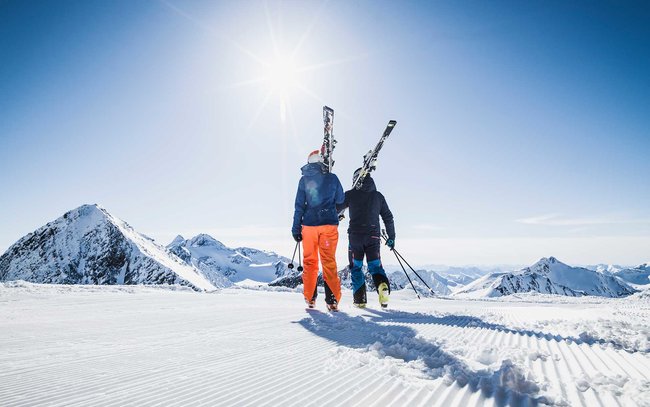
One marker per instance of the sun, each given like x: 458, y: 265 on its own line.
x: 282, y: 77
x: 282, y: 74
x: 279, y: 75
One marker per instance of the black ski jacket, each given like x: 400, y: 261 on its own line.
x: 366, y: 205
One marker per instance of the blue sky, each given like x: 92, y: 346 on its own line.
x: 523, y: 127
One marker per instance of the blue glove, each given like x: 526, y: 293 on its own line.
x: 390, y: 243
x: 297, y: 237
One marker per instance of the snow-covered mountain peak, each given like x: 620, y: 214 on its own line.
x: 224, y: 265
x: 88, y: 245
x: 638, y: 276
x: 549, y: 276
x: 86, y: 210
x: 85, y: 217
x: 89, y: 216
x: 177, y: 240
x: 548, y: 262
x: 607, y: 268
x: 205, y: 240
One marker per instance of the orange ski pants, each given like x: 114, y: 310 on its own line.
x: 320, y: 240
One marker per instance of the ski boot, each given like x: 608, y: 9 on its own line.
x: 310, y: 304
x: 359, y: 298
x: 382, y: 290
x: 334, y: 307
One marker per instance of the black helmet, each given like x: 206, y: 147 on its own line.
x: 357, y: 172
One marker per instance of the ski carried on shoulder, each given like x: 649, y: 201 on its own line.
x: 329, y: 142
x: 370, y: 159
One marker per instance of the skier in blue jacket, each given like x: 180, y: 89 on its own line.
x: 315, y: 223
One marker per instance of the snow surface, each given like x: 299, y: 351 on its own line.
x: 134, y: 345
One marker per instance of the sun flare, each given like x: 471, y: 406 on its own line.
x: 282, y: 74
x: 281, y: 77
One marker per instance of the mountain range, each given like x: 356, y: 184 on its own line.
x: 548, y: 276
x: 88, y: 245
x: 639, y: 275
x: 222, y: 265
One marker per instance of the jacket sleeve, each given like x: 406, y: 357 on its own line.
x: 346, y: 203
x: 339, y: 197
x: 299, y: 209
x: 387, y: 217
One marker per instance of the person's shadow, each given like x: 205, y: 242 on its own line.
x: 508, y: 385
x: 463, y: 321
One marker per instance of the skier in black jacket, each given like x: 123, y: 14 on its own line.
x: 366, y: 205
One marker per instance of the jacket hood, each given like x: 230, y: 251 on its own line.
x: 312, y: 169
x: 368, y: 184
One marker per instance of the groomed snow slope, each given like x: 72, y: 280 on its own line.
x: 130, y: 345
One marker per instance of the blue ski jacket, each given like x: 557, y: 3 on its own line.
x: 318, y: 194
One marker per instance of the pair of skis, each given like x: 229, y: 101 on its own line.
x: 329, y: 143
x: 370, y: 159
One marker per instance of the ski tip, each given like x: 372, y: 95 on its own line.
x: 329, y: 109
x: 392, y: 123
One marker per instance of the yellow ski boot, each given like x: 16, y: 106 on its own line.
x: 383, y: 294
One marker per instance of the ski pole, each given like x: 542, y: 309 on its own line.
x: 290, y: 265
x: 398, y: 255
x: 407, y: 276
x: 414, y: 272
x: 299, y: 259
x: 383, y: 234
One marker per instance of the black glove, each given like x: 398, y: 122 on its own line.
x: 297, y: 237
x: 390, y: 243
